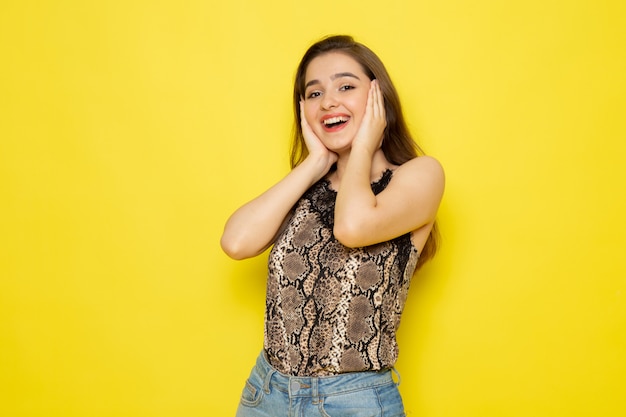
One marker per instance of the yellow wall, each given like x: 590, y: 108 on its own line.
x: 130, y: 130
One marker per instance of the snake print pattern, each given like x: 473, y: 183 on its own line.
x: 332, y: 309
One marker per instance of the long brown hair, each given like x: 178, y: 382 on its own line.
x: 398, y: 144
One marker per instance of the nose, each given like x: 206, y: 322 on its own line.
x: 329, y: 101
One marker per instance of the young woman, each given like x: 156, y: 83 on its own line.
x: 349, y: 226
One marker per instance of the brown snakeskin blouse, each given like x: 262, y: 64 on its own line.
x: 331, y: 309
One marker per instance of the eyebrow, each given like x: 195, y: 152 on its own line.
x: 332, y: 77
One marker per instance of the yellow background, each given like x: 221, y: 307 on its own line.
x: 130, y: 130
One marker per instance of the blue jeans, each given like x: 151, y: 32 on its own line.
x: 268, y: 393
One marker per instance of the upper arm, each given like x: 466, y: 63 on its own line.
x: 409, y: 202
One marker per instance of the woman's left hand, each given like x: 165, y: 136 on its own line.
x: 370, y: 133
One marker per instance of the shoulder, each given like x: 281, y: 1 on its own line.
x: 424, y: 168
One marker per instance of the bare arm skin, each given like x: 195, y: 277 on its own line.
x: 252, y: 228
x: 408, y: 204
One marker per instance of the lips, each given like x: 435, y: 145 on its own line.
x: 334, y: 122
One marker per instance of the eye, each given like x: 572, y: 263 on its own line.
x: 346, y: 87
x: 313, y: 94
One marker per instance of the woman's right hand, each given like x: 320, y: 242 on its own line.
x: 315, y: 146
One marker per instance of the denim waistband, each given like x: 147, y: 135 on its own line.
x: 297, y: 386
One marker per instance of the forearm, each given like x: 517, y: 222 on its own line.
x: 252, y: 228
x: 355, y: 199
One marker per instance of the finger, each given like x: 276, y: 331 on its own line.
x: 380, y: 104
x: 372, y: 99
x: 379, y: 107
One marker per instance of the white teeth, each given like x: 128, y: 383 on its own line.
x: 337, y: 119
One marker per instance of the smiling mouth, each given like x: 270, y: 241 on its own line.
x: 334, y: 122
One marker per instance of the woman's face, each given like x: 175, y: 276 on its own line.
x: 335, y: 95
